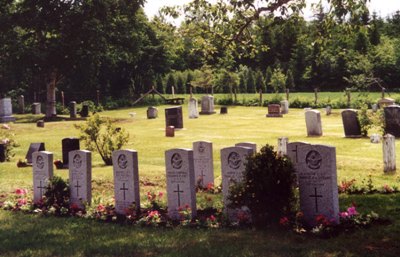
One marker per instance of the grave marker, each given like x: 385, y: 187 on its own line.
x: 42, y: 172
x: 274, y: 110
x: 126, y: 180
x: 282, y: 146
x: 207, y: 104
x: 203, y: 163
x: 68, y: 144
x: 313, y: 123
x: 152, y: 112
x: 317, y: 178
x: 80, y: 177
x: 392, y: 120
x: 180, y: 182
x: 389, y: 153
x: 33, y: 147
x: 21, y: 104
x: 173, y: 117
x: 36, y: 108
x: 193, y: 109
x: 72, y: 109
x: 351, y: 124
x: 251, y: 145
x: 284, y: 107
x: 2, y: 152
x: 6, y: 110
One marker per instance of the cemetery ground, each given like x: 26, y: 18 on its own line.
x: 33, y: 235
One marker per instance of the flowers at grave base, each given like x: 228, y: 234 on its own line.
x: 155, y: 199
x: 284, y: 221
x: 386, y: 189
x: 347, y: 186
x: 185, y: 215
x: 21, y: 191
x: 212, y: 222
x: 58, y: 163
x: 152, y: 218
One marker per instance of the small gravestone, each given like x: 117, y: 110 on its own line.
x: 126, y: 181
x: 351, y: 124
x: 68, y: 144
x: 223, y: 110
x: 21, y: 104
x: 6, y: 110
x: 85, y: 111
x: 170, y: 131
x: 284, y: 107
x: 40, y: 123
x: 374, y: 107
x: 385, y: 102
x: 3, y: 152
x: 36, y: 108
x: 207, y: 104
x: 80, y: 177
x: 72, y: 109
x: 152, y: 112
x: 203, y: 163
x: 42, y: 172
x: 317, y: 178
x: 274, y: 110
x: 233, y: 164
x: 174, y: 117
x: 282, y: 146
x: 392, y: 120
x: 193, y: 109
x: 251, y: 145
x: 328, y: 110
x: 389, y: 153
x: 375, y: 138
x: 313, y: 123
x: 181, y: 191
x: 33, y: 147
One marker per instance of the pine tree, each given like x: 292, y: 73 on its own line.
x: 268, y: 75
x: 260, y: 84
x: 170, y: 83
x: 251, y: 85
x: 289, y: 80
x: 160, y: 85
x: 180, y: 87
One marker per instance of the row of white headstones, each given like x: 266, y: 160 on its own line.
x: 188, y: 168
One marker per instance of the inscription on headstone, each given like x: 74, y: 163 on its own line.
x: 173, y: 117
x: 351, y: 124
x: 126, y: 180
x: 317, y: 178
x: 181, y: 191
x: 42, y: 172
x: 80, y: 177
x: 203, y: 163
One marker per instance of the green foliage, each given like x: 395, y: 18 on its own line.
x: 101, y: 135
x: 8, y: 139
x: 365, y: 121
x: 259, y: 78
x: 57, y: 195
x: 278, y: 80
x: 289, y: 83
x: 268, y: 187
x: 170, y: 83
x: 250, y: 83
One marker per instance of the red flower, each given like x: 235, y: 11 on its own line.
x: 101, y: 208
x: 20, y: 191
x: 160, y: 194
x: 284, y: 221
x: 74, y: 207
x: 22, y: 201
x: 212, y: 218
x: 210, y: 186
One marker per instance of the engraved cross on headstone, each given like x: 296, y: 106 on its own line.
x: 41, y: 188
x: 179, y: 195
x: 124, y: 189
x: 77, y: 186
x: 296, y: 151
x: 316, y: 196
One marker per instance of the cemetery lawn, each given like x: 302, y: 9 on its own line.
x: 33, y: 235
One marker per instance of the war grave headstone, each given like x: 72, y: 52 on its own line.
x: 233, y: 164
x: 152, y: 112
x: 389, y: 153
x: 292, y: 153
x: 317, y: 178
x: 282, y: 146
x: 6, y: 110
x: 313, y: 123
x: 126, y: 180
x: 80, y: 177
x: 203, y: 163
x: 249, y: 145
x: 193, y: 109
x: 3, y: 152
x: 351, y: 124
x: 36, y: 108
x: 207, y: 104
x: 42, y: 172
x: 392, y: 120
x: 284, y: 107
x: 174, y: 117
x: 21, y: 104
x: 34, y: 147
x: 68, y: 144
x: 181, y: 190
x: 72, y: 109
x: 274, y: 110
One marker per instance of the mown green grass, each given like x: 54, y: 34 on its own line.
x: 27, y: 235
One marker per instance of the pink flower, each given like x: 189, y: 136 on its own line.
x: 284, y: 221
x: 344, y: 214
x: 160, y: 194
x: 212, y: 218
x: 22, y: 201
x: 21, y: 191
x: 101, y: 208
x: 352, y: 211
x: 151, y: 214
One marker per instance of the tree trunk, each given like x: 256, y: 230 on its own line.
x: 51, y: 82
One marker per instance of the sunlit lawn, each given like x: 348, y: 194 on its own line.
x: 356, y: 159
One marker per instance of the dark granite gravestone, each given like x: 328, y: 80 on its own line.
x: 274, y: 110
x: 72, y: 109
x: 34, y: 147
x: 223, y: 110
x: 2, y: 152
x: 351, y: 124
x: 392, y: 120
x: 174, y: 117
x: 68, y: 145
x: 85, y: 111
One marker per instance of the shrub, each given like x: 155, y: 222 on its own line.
x: 57, y: 195
x: 267, y: 189
x: 101, y: 135
x: 7, y: 138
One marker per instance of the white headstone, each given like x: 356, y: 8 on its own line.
x: 389, y: 153
x: 6, y: 110
x: 375, y: 138
x: 317, y: 178
x: 126, y: 180
x: 249, y: 145
x: 233, y: 165
x: 284, y: 107
x: 328, y: 110
x: 313, y: 123
x: 207, y: 104
x: 282, y: 146
x: 80, y: 177
x: 193, y: 110
x: 42, y: 165
x: 203, y: 163
x: 181, y: 192
x: 375, y: 107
